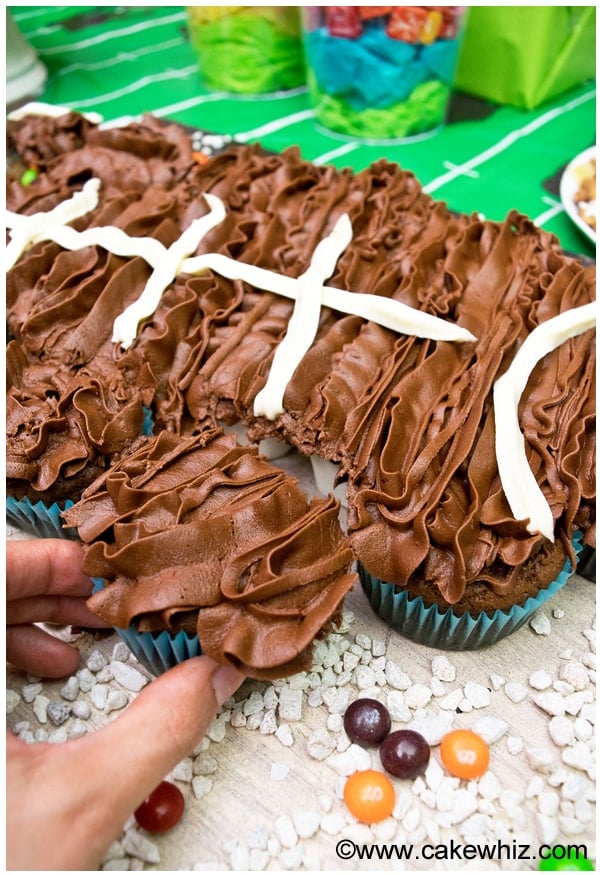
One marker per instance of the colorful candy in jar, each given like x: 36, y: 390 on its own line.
x: 381, y: 72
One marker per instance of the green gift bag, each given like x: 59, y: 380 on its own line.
x: 524, y: 55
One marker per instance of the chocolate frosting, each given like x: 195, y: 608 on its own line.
x: 64, y: 426
x: 202, y: 526
x: 409, y: 420
x: 437, y: 509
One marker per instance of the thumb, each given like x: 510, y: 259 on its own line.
x: 162, y: 725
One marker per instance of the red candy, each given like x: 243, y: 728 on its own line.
x: 406, y: 23
x: 343, y: 21
x: 162, y: 809
x: 451, y: 21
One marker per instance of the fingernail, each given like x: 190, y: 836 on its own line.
x: 225, y: 681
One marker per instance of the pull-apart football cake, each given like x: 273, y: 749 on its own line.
x: 443, y: 363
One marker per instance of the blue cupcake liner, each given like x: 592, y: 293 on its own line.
x: 157, y: 651
x: 148, y: 422
x: 444, y: 629
x: 586, y: 566
x: 44, y: 520
x: 160, y: 651
x: 39, y: 519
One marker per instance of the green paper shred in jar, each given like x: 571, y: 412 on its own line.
x: 248, y: 49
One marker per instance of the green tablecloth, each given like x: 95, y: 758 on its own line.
x: 127, y: 60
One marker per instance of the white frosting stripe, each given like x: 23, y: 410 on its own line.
x: 523, y: 494
x: 387, y: 312
x: 393, y: 314
x: 26, y: 230
x: 125, y: 325
x: 112, y: 239
x: 51, y: 110
x: 304, y: 321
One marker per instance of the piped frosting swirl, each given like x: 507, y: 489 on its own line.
x: 202, y: 529
x: 409, y: 420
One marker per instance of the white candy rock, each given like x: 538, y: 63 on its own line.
x: 540, y: 680
x: 562, y: 731
x: 442, y: 668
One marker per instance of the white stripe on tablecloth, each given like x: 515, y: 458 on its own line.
x: 112, y: 34
x: 120, y: 58
x: 20, y: 16
x: 276, y: 125
x: 506, y: 142
x: 555, y: 209
x: 182, y: 105
x: 134, y: 86
x: 335, y: 153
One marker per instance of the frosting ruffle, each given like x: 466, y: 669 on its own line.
x: 425, y: 497
x: 410, y: 421
x: 200, y: 527
x: 64, y: 426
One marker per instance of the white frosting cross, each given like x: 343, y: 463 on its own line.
x: 165, y: 263
x: 310, y: 295
x: 125, y: 325
x: 523, y: 494
x: 27, y: 230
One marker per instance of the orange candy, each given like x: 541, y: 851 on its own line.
x: 200, y: 157
x: 369, y: 795
x: 464, y: 753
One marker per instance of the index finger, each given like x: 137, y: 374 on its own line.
x: 161, y: 726
x: 45, y: 566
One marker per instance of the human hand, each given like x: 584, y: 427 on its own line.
x: 67, y: 802
x: 45, y: 584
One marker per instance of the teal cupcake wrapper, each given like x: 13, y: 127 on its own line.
x: 39, y: 519
x: 413, y: 619
x: 147, y: 422
x: 586, y: 565
x: 160, y: 651
x: 44, y: 520
x: 157, y: 651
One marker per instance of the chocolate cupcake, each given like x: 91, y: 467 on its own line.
x: 347, y: 314
x: 75, y: 403
x: 467, y: 492
x: 64, y: 427
x: 199, y: 537
x: 459, y: 627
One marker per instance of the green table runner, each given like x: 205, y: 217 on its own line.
x: 126, y: 60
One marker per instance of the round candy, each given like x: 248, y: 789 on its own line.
x: 404, y: 753
x: 369, y: 795
x: 367, y: 721
x: 162, y: 809
x: 29, y: 176
x: 464, y: 753
x: 567, y: 860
